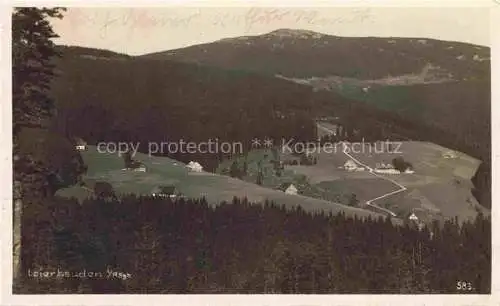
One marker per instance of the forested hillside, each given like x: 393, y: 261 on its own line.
x: 118, y: 99
x: 185, y: 246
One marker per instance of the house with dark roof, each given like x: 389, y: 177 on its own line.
x: 288, y: 188
x: 80, y: 144
x: 168, y: 191
x: 137, y: 166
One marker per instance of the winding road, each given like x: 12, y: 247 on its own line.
x: 401, y: 188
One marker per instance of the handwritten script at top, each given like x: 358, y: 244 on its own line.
x: 131, y: 19
x: 141, y: 19
x: 256, y: 16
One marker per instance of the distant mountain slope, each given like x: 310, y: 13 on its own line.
x: 300, y: 54
x: 91, y: 53
x: 431, y: 82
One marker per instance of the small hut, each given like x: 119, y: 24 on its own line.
x: 168, y: 191
x: 80, y: 144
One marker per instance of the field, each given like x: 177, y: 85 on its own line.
x: 439, y: 188
x: 215, y: 188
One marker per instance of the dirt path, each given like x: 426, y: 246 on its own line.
x: 370, y: 202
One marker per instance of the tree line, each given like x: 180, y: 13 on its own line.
x: 189, y: 246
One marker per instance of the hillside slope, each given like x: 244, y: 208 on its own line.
x: 133, y: 99
x: 166, y: 171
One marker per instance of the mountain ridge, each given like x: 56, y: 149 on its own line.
x: 281, y: 52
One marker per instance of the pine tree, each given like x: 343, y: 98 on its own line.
x: 353, y: 200
x: 32, y: 50
x: 260, y: 173
x: 260, y: 177
x: 245, y: 167
x: 234, y: 171
x: 127, y: 159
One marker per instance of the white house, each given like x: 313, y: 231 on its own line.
x: 449, y: 155
x: 350, y: 165
x: 80, y: 144
x: 194, y: 166
x: 387, y: 171
x: 291, y: 190
x: 385, y: 168
x: 382, y: 165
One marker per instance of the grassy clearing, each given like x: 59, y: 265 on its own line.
x: 215, y: 188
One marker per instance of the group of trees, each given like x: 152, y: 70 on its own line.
x: 188, y: 246
x: 129, y: 162
x: 43, y: 160
x: 238, y: 171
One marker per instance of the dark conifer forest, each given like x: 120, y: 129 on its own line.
x: 186, y: 246
x: 122, y: 99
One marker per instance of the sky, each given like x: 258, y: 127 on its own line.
x: 144, y: 30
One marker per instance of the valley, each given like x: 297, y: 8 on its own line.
x: 407, y: 98
x: 215, y: 188
x: 270, y: 161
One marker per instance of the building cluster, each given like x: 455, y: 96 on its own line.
x: 351, y: 166
x: 194, y: 166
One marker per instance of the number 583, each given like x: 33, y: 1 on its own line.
x: 464, y: 286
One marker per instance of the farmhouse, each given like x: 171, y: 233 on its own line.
x: 449, y: 155
x: 80, y: 144
x: 288, y: 188
x: 169, y: 191
x: 140, y: 168
x: 136, y: 166
x: 351, y: 165
x: 291, y: 189
x: 382, y: 165
x: 194, y: 166
x: 385, y: 169
x: 417, y: 221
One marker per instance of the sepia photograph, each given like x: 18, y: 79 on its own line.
x: 246, y: 149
